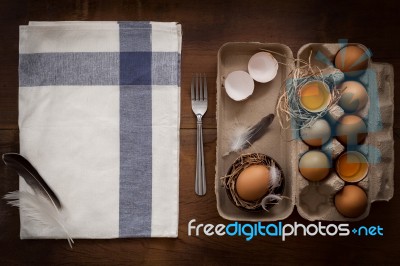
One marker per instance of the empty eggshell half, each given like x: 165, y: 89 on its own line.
x: 315, y: 96
x: 263, y: 67
x: 239, y: 85
x: 352, y: 166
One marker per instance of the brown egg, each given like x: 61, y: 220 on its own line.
x: 253, y: 182
x: 351, y: 201
x: 314, y: 165
x: 354, y: 96
x: 351, y: 58
x: 317, y: 134
x: 351, y: 130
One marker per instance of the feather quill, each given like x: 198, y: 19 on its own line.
x: 244, y: 138
x: 43, y: 206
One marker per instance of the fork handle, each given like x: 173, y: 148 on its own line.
x: 200, y: 182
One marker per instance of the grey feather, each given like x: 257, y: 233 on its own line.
x: 245, y: 139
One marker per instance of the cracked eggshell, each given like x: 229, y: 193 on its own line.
x: 315, y: 96
x: 239, y: 85
x: 263, y: 67
x: 352, y: 166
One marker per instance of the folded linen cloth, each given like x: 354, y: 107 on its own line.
x: 99, y: 113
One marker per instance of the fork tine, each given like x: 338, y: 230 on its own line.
x: 192, y: 89
x: 197, y: 87
x: 205, y: 87
x: 201, y: 88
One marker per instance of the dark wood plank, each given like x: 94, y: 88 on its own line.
x: 201, y: 250
x: 206, y: 25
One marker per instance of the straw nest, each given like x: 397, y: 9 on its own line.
x: 288, y: 109
x: 272, y: 195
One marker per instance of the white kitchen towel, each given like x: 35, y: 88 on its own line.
x: 99, y: 114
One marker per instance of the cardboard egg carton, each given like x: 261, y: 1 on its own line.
x: 314, y: 200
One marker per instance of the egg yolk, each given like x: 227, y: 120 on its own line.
x: 351, y: 168
x: 349, y: 165
x: 312, y: 97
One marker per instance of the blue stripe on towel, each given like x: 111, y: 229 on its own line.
x: 85, y: 69
x: 52, y: 69
x: 135, y: 134
x: 135, y: 36
x: 135, y: 68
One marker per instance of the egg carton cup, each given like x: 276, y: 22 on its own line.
x: 377, y: 147
x: 314, y: 200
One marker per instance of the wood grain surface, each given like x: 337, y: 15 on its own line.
x: 207, y: 24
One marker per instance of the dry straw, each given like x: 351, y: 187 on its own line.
x: 288, y: 109
x: 272, y: 194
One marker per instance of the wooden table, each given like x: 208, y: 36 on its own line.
x: 207, y: 24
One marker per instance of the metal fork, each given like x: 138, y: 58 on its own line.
x: 199, y: 107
